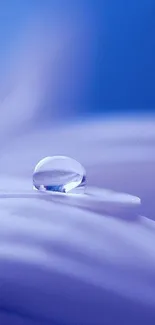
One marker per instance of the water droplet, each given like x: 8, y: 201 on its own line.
x: 59, y: 174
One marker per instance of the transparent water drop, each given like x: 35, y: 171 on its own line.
x: 59, y: 174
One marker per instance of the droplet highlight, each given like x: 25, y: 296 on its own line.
x: 59, y: 174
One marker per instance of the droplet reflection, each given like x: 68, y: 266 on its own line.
x: 59, y: 174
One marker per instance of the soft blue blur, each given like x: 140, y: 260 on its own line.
x: 82, y: 259
x: 105, y: 66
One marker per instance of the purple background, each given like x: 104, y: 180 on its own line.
x: 77, y: 80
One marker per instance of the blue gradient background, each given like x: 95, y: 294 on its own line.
x: 77, y: 79
x: 111, y: 65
